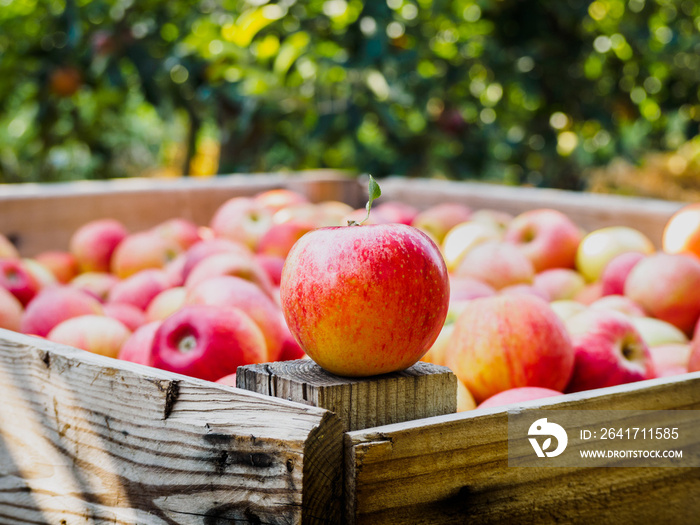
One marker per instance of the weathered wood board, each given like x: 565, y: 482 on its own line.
x: 89, y: 439
x: 454, y: 469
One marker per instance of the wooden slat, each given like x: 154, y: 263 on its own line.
x: 590, y: 211
x: 43, y: 216
x: 84, y: 438
x: 423, y: 390
x: 454, y: 469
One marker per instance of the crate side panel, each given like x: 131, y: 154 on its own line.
x: 84, y: 437
x: 454, y: 469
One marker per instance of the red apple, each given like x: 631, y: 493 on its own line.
x: 666, y: 286
x: 365, y: 300
x: 438, y: 219
x: 498, y: 264
x: 97, y: 284
x: 98, y: 334
x: 143, y: 250
x: 547, y: 237
x: 139, y: 288
x: 16, y: 278
x: 166, y: 303
x: 518, y: 395
x: 131, y: 316
x: 11, y: 311
x: 138, y: 347
x: 208, y: 342
x: 616, y: 271
x: 559, y: 283
x: 240, y: 293
x: 242, y: 219
x: 509, y: 341
x: 56, y: 304
x: 93, y: 244
x: 466, y: 288
x: 63, y: 265
x: 609, y: 350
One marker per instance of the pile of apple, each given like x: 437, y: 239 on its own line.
x: 538, y: 307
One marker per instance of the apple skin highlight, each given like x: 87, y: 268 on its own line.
x: 365, y: 300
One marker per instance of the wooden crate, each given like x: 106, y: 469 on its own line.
x: 88, y: 439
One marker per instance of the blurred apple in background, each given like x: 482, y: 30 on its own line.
x: 131, y: 316
x: 666, y: 286
x: 182, y: 231
x: 465, y: 288
x: 547, y: 237
x: 670, y: 359
x: 590, y: 293
x: 518, y: 395
x: 438, y: 219
x: 601, y: 246
x: 465, y: 399
x: 94, y: 243
x: 566, y: 308
x: 166, y: 303
x: 62, y: 264
x: 11, y: 311
x: 139, y: 288
x: 465, y: 236
x: 657, y: 332
x: 498, y: 264
x: 621, y: 303
x: 280, y: 198
x: 207, y: 247
x: 16, y: 278
x: 233, y: 264
x: 42, y: 275
x: 241, y: 219
x: 7, y: 249
x: 682, y: 231
x: 141, y: 251
x: 98, y: 334
x: 231, y: 291
x: 279, y: 238
x: 609, y: 350
x: 559, y: 283
x: 54, y: 305
x: 138, y: 346
x: 272, y: 264
x: 207, y: 342
x: 509, y: 341
x: 523, y: 288
x: 616, y: 271
x: 396, y: 211
x: 498, y: 218
x: 97, y: 284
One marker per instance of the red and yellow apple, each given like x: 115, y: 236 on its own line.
x: 601, y: 246
x: 93, y: 244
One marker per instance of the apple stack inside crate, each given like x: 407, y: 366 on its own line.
x: 89, y: 438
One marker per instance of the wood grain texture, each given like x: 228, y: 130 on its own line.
x: 43, y: 216
x: 88, y: 439
x: 424, y: 390
x: 589, y: 211
x: 454, y: 469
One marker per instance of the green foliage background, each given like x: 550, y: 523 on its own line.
x: 515, y: 91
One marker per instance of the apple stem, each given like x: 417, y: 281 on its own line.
x: 374, y: 192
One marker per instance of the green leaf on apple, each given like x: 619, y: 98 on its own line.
x: 374, y: 192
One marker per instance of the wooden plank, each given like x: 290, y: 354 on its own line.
x: 44, y: 216
x: 85, y: 438
x: 424, y: 390
x: 454, y: 469
x: 588, y: 210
